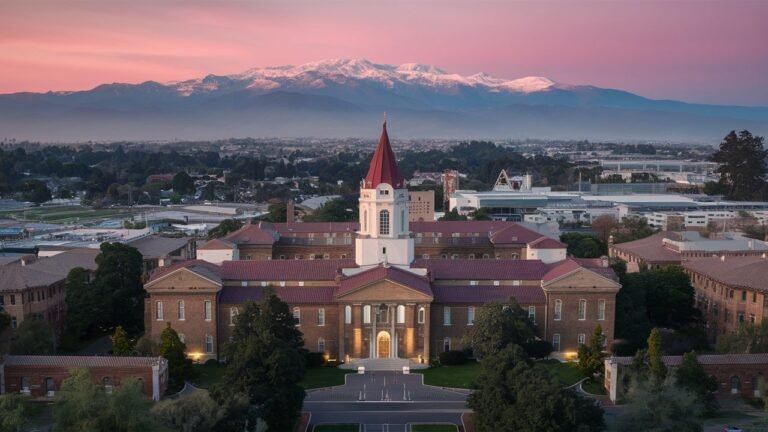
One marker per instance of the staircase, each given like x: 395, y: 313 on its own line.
x: 382, y: 364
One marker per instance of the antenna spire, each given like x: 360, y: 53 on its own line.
x: 385, y: 117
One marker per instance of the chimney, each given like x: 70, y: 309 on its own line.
x: 722, y: 258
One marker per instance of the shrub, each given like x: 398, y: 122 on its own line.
x: 451, y: 358
x: 315, y: 359
x: 537, y: 348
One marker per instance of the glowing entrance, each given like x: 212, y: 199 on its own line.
x: 382, y: 345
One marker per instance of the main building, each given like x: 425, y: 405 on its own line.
x: 384, y: 287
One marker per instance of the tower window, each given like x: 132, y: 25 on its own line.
x: 384, y: 222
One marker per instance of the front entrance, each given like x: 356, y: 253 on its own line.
x: 382, y: 345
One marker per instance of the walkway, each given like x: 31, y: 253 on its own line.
x: 385, y: 401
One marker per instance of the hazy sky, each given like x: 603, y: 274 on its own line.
x: 713, y: 51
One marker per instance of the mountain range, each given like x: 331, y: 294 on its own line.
x: 345, y: 98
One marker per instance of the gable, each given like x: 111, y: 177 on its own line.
x: 385, y: 290
x: 581, y: 279
x: 182, y: 279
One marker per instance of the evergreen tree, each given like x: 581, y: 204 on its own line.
x: 692, y: 377
x: 119, y: 287
x: 225, y: 227
x: 173, y: 350
x: 81, y: 405
x: 121, y: 345
x: 183, y: 183
x: 195, y: 412
x: 83, y: 306
x: 265, y: 365
x: 655, y: 362
x: 14, y: 414
x: 742, y: 165
x: 33, y: 337
x: 591, y: 356
x: 498, y: 325
x: 513, y: 395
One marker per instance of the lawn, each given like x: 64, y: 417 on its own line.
x: 593, y: 387
x: 64, y: 213
x: 565, y: 372
x: 205, y: 375
x: 318, y: 377
x: 337, y: 428
x: 460, y: 376
x: 434, y: 428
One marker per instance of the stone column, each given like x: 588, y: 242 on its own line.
x: 410, y: 324
x: 342, y: 332
x: 392, y: 338
x: 374, y: 341
x: 427, y: 326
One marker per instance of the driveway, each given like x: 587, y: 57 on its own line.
x: 385, y: 401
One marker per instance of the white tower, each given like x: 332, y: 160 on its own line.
x: 384, y: 236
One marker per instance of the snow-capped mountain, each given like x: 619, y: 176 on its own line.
x: 343, y: 97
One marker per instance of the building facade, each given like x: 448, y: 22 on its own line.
x: 384, y: 287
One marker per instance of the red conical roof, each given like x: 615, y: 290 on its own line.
x: 383, y: 167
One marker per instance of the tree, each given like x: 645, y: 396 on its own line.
x: 119, y: 288
x: 480, y: 214
x: 195, y: 412
x: 513, y: 395
x: 743, y: 165
x: 173, y: 349
x: 591, y: 356
x: 691, y: 377
x: 5, y: 320
x: 337, y: 210
x: 662, y: 407
x: 749, y: 338
x: 603, y: 226
x: 80, y: 404
x: 13, y: 413
x: 35, y: 191
x: 265, y: 364
x: 183, y: 183
x: 225, y: 227
x: 583, y: 245
x: 453, y: 215
x: 83, y: 306
x: 33, y: 337
x: 632, y: 228
x: 655, y: 361
x: 121, y: 345
x: 128, y: 411
x: 498, y: 325
x: 276, y: 212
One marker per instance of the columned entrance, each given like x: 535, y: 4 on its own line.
x: 383, y: 343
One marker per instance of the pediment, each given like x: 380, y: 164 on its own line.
x: 385, y: 290
x: 183, y: 279
x: 582, y: 279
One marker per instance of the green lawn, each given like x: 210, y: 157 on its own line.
x: 337, y: 428
x: 205, y: 375
x: 565, y: 372
x: 593, y: 387
x: 318, y: 377
x: 434, y: 428
x: 64, y: 213
x: 451, y: 376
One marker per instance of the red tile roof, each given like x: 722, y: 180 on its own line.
x: 708, y: 359
x: 483, y: 269
x: 524, y: 294
x: 562, y: 268
x: 394, y: 274
x: 546, y: 243
x: 293, y: 295
x: 81, y: 361
x: 284, y: 270
x: 192, y: 265
x: 650, y: 249
x: 285, y: 229
x: 217, y: 244
x: 383, y: 168
x: 737, y: 271
x: 253, y: 233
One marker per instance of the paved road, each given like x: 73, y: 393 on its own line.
x: 385, y: 401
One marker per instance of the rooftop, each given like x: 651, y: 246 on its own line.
x: 737, y: 271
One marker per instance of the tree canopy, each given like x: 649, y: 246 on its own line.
x: 583, y: 245
x: 183, y: 184
x: 513, y: 395
x: 498, y: 325
x: 663, y: 407
x: 14, y: 413
x: 591, y: 356
x: 225, y: 227
x: 743, y: 166
x: 336, y: 210
x: 173, y: 350
x: 692, y: 377
x: 33, y: 337
x: 265, y: 363
x: 749, y: 338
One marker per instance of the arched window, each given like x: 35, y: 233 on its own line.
x: 232, y: 315
x: 347, y: 314
x: 422, y: 315
x: 321, y: 345
x: 401, y: 314
x: 558, y: 315
x: 384, y: 222
x: 365, y: 221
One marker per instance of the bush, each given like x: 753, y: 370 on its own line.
x: 537, y: 348
x: 315, y: 359
x: 452, y: 358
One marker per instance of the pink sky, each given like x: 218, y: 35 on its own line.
x: 710, y: 51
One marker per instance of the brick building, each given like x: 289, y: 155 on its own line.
x: 737, y: 375
x: 384, y: 287
x: 41, y: 376
x: 421, y: 206
x: 730, y: 290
